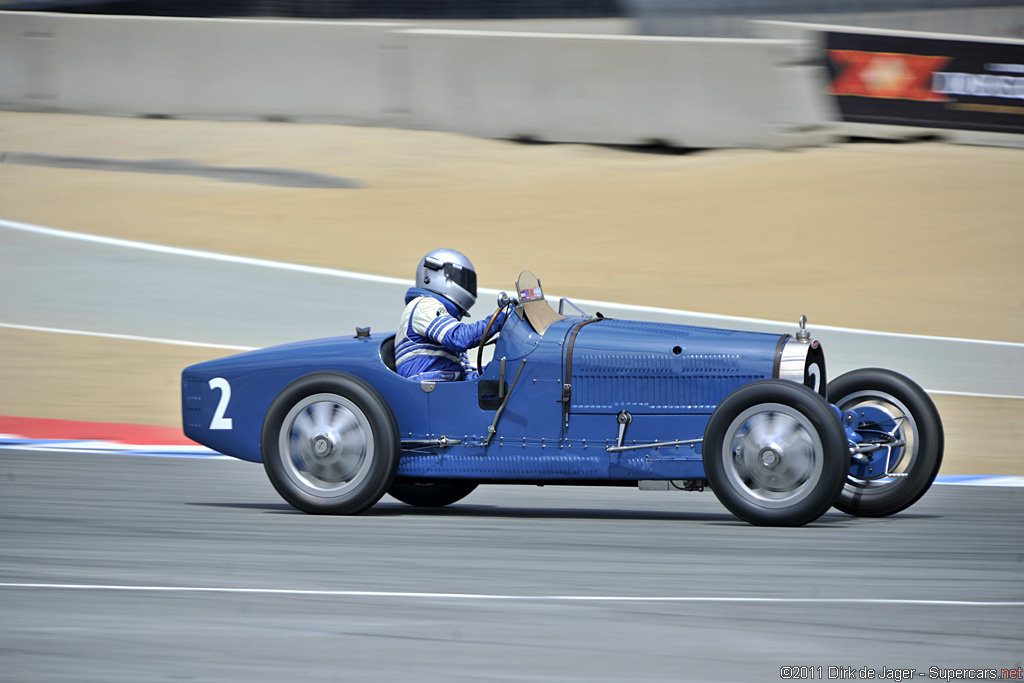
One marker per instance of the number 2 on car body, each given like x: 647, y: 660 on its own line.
x: 219, y: 421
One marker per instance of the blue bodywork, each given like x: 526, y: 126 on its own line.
x: 668, y: 377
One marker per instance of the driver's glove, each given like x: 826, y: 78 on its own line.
x: 499, y: 321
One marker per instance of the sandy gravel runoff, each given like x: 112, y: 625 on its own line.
x: 921, y: 238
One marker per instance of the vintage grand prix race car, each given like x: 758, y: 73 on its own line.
x: 574, y: 399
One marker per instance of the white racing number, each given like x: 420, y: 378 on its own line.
x: 219, y: 421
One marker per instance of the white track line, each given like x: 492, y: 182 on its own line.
x: 521, y: 598
x: 196, y: 253
x: 817, y: 327
x: 128, y: 337
x: 971, y: 394
x: 314, y: 270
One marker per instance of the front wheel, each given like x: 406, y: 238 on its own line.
x: 431, y: 494
x: 902, y: 441
x: 330, y: 444
x: 775, y: 453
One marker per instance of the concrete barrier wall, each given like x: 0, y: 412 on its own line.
x: 612, y: 89
x: 579, y: 88
x: 204, y: 68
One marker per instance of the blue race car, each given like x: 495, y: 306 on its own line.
x: 573, y: 399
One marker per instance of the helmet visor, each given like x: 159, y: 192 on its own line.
x: 463, y: 277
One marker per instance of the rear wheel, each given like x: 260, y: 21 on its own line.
x: 330, y: 444
x: 775, y: 453
x: 899, y: 421
x: 430, y: 494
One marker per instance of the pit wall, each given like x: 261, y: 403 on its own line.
x: 692, y: 92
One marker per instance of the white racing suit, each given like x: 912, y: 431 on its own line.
x: 432, y: 341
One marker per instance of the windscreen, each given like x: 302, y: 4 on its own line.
x: 536, y: 309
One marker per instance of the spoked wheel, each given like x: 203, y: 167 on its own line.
x: 774, y: 454
x: 901, y: 441
x: 330, y: 444
x: 431, y: 494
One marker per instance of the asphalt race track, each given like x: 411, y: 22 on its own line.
x: 126, y: 568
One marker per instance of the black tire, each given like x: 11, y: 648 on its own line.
x: 921, y: 457
x: 431, y: 494
x: 330, y: 444
x: 766, y: 479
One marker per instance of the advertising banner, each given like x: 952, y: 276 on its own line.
x: 927, y: 83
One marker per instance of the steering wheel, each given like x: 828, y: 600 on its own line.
x: 487, y: 332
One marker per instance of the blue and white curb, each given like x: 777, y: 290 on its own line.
x: 10, y: 442
x: 980, y: 480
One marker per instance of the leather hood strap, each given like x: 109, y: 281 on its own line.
x: 566, y: 399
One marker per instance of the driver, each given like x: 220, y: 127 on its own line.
x: 432, y: 341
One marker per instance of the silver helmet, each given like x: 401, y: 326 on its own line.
x: 449, y: 273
